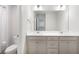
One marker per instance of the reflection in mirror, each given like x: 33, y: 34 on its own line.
x: 40, y: 22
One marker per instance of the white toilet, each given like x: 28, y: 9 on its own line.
x: 11, y: 49
x: 3, y: 46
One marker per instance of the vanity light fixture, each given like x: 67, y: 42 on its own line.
x: 38, y: 8
x: 61, y: 7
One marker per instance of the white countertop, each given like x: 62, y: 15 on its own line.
x: 51, y: 33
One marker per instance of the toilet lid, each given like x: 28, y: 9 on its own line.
x: 12, y: 47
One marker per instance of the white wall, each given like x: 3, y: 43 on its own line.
x: 27, y: 25
x: 28, y: 17
x: 74, y: 18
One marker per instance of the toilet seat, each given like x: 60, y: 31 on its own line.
x: 11, y: 49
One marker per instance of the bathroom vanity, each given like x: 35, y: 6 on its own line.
x: 52, y: 44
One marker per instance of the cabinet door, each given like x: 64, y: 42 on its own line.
x: 68, y: 46
x: 52, y: 45
x: 36, y: 45
x: 42, y: 45
x: 32, y: 46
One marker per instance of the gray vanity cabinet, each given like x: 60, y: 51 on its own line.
x: 52, y: 45
x: 68, y: 45
x: 36, y: 45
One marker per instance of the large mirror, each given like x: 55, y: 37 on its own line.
x: 51, y: 18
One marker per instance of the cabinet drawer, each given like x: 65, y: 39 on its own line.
x: 52, y: 44
x: 68, y: 38
x: 36, y: 38
x: 33, y: 43
x: 52, y: 38
x: 32, y: 38
x: 52, y: 51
